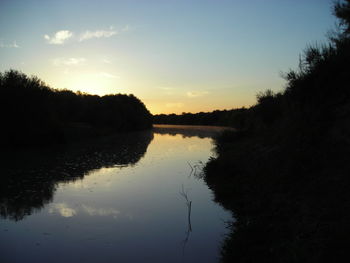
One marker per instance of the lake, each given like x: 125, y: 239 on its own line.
x: 137, y: 197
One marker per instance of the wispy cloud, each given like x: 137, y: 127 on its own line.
x: 59, y: 37
x: 167, y: 90
x: 97, y: 34
x: 126, y: 28
x: 106, y: 61
x: 107, y: 75
x: 68, y: 61
x: 174, y: 105
x: 194, y: 94
x: 12, y: 45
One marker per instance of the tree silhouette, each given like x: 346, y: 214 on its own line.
x: 32, y: 113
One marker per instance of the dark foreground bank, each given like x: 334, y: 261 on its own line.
x: 285, y: 175
x: 290, y: 204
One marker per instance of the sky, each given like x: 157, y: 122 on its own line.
x: 175, y: 55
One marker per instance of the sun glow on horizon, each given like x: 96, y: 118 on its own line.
x: 94, y: 83
x: 175, y: 56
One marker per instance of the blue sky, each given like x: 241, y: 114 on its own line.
x: 176, y: 56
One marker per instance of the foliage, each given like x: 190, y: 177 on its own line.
x: 33, y: 114
x: 342, y: 12
x: 285, y: 174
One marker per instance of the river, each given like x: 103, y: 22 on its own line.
x: 137, y: 197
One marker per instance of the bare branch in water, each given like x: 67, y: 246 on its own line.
x: 184, y: 193
x: 196, y: 170
x: 191, y: 169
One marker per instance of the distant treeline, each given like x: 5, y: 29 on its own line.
x: 32, y: 113
x: 285, y: 174
x: 232, y: 118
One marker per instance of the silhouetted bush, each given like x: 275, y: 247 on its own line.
x: 285, y: 175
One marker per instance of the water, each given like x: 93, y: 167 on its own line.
x: 118, y: 199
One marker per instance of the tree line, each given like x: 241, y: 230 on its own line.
x: 231, y: 118
x: 32, y: 113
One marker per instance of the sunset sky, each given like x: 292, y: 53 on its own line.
x: 176, y: 56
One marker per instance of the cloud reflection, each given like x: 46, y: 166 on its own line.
x: 92, y: 211
x: 64, y: 210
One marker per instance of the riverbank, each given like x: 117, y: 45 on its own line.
x: 285, y: 174
x: 290, y: 205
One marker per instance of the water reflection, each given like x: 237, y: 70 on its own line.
x: 65, y: 210
x: 29, y: 177
x: 108, y: 201
x: 188, y: 130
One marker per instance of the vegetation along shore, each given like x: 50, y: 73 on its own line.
x: 285, y: 173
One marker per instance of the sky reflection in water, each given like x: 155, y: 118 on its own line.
x: 132, y: 213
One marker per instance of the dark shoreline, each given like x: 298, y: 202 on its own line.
x: 285, y: 173
x: 290, y: 204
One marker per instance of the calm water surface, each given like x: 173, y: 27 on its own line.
x: 119, y: 199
